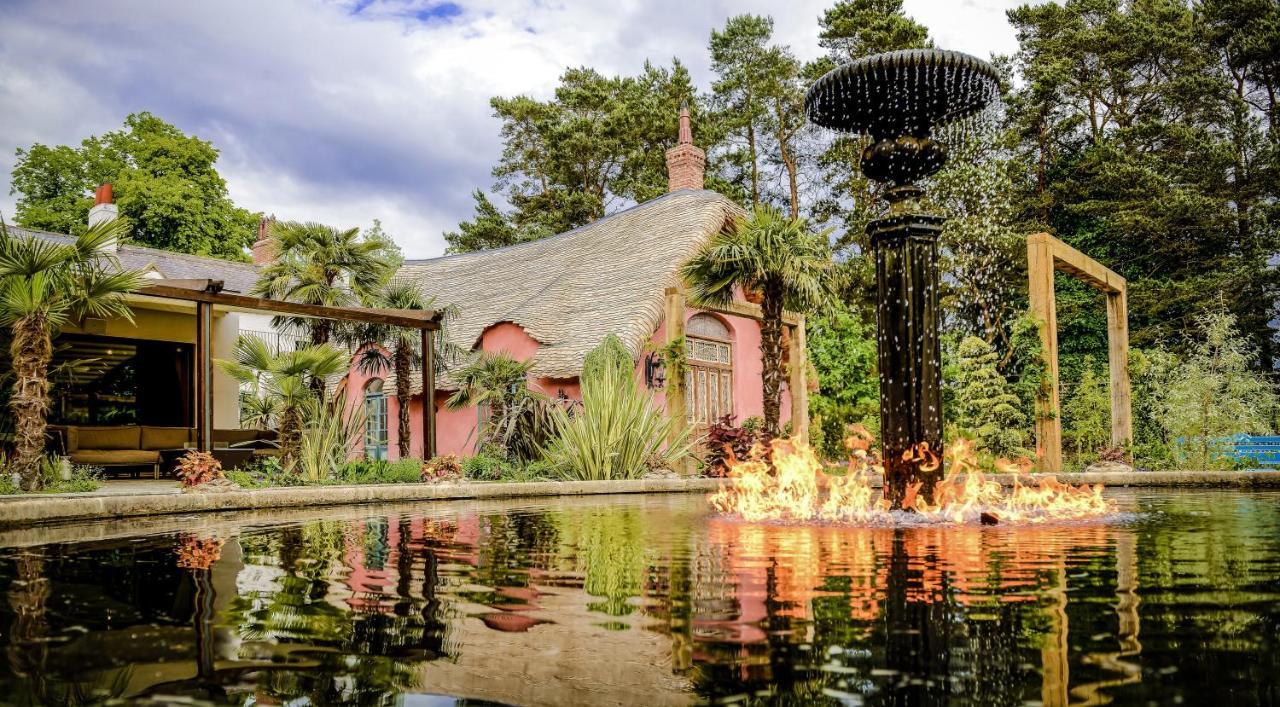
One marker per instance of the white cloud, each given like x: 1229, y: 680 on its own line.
x: 329, y: 114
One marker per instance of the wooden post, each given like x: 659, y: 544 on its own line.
x: 1118, y: 356
x: 204, y: 376
x: 1040, y: 271
x: 428, y: 394
x: 674, y: 318
x: 798, y: 385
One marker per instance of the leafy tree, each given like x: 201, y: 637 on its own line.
x: 842, y: 349
x: 611, y: 353
x: 164, y: 183
x: 43, y: 287
x: 323, y: 265
x: 1214, y: 394
x: 778, y: 257
x: 384, y: 347
x: 489, y: 228
x: 759, y: 94
x: 592, y: 149
x: 287, y: 378
x: 852, y: 29
x: 984, y: 403
x: 1156, y: 157
x: 1087, y: 412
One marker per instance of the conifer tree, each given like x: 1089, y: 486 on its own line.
x: 985, y: 405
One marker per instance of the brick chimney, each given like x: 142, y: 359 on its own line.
x: 103, y: 211
x: 685, y: 162
x: 264, y: 249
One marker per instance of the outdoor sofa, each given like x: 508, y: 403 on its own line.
x: 141, y: 446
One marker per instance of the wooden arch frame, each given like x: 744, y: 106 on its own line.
x: 1045, y: 255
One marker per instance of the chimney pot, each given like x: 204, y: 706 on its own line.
x: 686, y: 162
x: 104, y: 211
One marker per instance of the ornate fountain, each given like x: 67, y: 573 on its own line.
x: 899, y: 99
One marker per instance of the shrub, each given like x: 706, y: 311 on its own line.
x: 724, y: 439
x: 985, y: 404
x: 611, y: 353
x: 442, y: 468
x: 262, y: 472
x: 196, y: 468
x: 618, y: 434
x: 484, y: 466
x: 82, y: 478
x: 380, y: 471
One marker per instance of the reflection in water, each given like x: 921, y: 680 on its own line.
x: 653, y: 600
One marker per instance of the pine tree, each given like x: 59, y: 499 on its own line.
x: 985, y: 405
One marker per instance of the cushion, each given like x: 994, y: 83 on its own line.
x: 116, y: 457
x: 109, y: 437
x: 165, y: 437
x: 222, y: 438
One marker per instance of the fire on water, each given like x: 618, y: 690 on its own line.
x: 796, y: 488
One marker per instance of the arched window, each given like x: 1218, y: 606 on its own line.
x: 709, y: 375
x: 375, y: 424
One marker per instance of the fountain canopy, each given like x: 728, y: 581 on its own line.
x: 899, y: 98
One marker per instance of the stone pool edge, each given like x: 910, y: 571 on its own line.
x: 18, y: 511
x: 26, y: 510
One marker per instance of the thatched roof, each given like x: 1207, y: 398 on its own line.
x: 571, y: 290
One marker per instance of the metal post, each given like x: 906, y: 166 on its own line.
x: 428, y: 394
x: 204, y: 376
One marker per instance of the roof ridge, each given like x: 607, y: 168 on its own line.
x: 556, y: 236
x: 139, y: 247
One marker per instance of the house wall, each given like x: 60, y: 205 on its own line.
x: 456, y: 429
x: 748, y: 397
x: 161, y: 323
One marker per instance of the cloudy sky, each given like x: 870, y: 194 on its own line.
x: 348, y: 110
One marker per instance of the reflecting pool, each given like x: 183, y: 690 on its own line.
x: 647, y: 600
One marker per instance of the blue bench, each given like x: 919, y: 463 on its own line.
x: 1254, y: 451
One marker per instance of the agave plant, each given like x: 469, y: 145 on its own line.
x: 287, y: 378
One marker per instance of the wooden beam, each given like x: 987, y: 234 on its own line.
x: 204, y: 376
x: 428, y: 395
x: 408, y: 318
x: 1044, y: 309
x: 798, y: 386
x: 1118, y: 357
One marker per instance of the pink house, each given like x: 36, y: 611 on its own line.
x: 553, y: 300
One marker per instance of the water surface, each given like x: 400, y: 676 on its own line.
x: 648, y: 600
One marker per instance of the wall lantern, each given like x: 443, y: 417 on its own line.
x: 655, y: 370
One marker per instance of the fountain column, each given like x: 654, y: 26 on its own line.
x: 909, y: 357
x: 899, y: 98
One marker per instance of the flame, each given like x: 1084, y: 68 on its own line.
x: 798, y: 488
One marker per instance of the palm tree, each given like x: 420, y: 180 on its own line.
x: 495, y: 379
x: 286, y: 377
x: 44, y: 286
x: 777, y: 257
x: 323, y: 265
x: 385, y: 347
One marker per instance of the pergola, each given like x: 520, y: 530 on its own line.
x: 1045, y: 256
x: 207, y: 295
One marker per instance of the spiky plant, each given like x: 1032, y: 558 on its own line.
x: 384, y: 347
x: 777, y: 257
x: 286, y: 377
x: 44, y: 286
